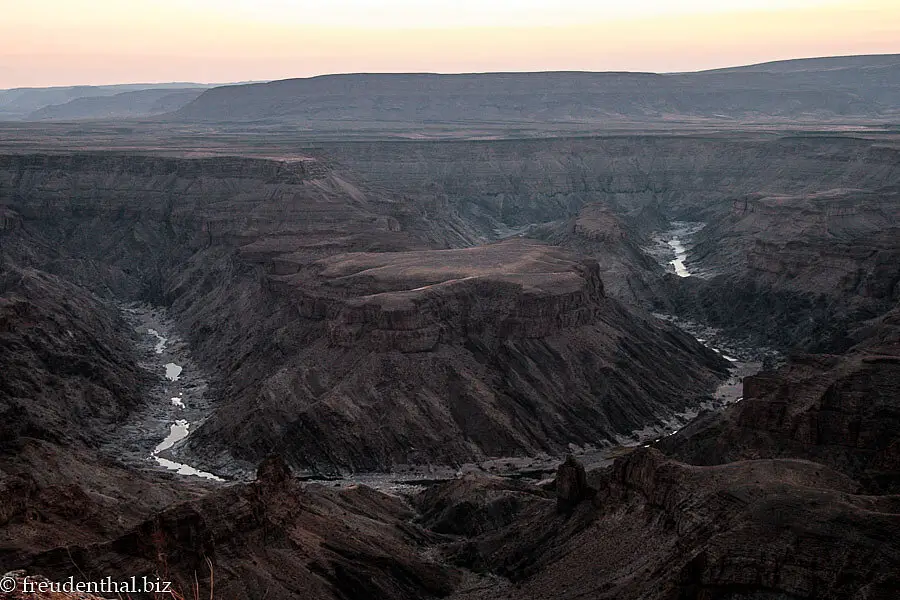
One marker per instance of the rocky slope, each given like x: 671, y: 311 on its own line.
x: 654, y: 528
x: 841, y: 410
x: 450, y: 356
x: 616, y: 241
x: 794, y: 223
x: 832, y: 255
x: 273, y: 538
x: 348, y: 327
x: 316, y: 308
x: 69, y: 377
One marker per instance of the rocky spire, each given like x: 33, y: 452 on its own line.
x: 571, y: 484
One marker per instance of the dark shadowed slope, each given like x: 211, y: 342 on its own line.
x: 841, y: 410
x: 337, y: 336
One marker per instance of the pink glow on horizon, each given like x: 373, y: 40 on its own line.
x: 57, y: 42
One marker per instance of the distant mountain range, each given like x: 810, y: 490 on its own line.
x: 84, y: 101
x: 141, y: 103
x: 859, y: 87
x: 847, y: 88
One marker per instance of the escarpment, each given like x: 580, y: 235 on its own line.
x: 831, y: 255
x: 452, y: 356
x: 840, y: 410
x: 324, y: 306
x: 659, y: 529
x: 509, y: 290
x: 799, y: 223
x: 398, y: 307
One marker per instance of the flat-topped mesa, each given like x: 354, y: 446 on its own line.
x: 413, y: 301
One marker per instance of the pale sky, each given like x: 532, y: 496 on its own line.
x: 68, y: 42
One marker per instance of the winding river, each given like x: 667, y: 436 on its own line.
x: 177, y: 403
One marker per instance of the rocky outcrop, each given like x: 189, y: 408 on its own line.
x: 451, y: 356
x: 658, y: 529
x: 414, y: 301
x: 841, y: 410
x: 615, y: 241
x: 273, y: 539
x: 571, y: 485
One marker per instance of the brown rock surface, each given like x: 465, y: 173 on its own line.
x: 343, y: 334
x: 571, y: 484
x: 317, y: 306
x: 658, y: 529
x: 476, y: 504
x: 68, y: 377
x: 273, y: 539
x: 841, y: 410
x: 450, y: 356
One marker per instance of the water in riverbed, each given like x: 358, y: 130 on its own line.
x: 680, y: 257
x: 177, y: 404
x: 670, y: 247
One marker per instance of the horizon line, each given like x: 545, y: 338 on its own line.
x: 212, y: 85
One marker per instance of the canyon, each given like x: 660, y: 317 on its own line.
x: 617, y: 364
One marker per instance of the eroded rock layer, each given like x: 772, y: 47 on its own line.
x: 658, y: 529
x: 450, y: 356
x: 840, y: 410
x: 336, y: 336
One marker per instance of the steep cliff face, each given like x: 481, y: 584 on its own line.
x: 654, y: 528
x: 450, y: 356
x: 332, y: 334
x: 124, y: 223
x: 832, y: 256
x: 841, y: 410
x: 647, y: 179
x: 834, y: 242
